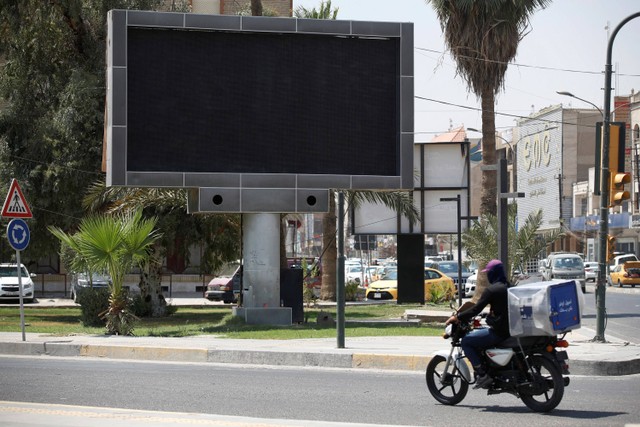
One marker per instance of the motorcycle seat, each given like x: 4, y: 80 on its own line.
x: 512, y: 342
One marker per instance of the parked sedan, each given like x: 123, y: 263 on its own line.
x: 450, y: 268
x: 591, y: 270
x: 387, y: 286
x: 82, y: 281
x: 626, y: 274
x: 9, y: 286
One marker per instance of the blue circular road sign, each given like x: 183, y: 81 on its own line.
x: 18, y: 234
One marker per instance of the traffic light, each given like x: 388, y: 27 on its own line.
x: 617, y: 193
x: 618, y: 178
x: 611, y: 247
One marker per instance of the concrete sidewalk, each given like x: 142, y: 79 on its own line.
x: 394, y: 353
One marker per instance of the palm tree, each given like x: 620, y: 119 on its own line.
x: 218, y: 233
x: 256, y: 7
x: 114, y: 244
x: 323, y: 12
x: 483, y: 37
x: 524, y: 244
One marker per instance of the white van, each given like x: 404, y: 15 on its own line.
x: 564, y: 266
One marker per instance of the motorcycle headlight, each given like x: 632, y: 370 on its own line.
x: 449, y: 329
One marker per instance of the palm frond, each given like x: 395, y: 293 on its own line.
x: 399, y: 201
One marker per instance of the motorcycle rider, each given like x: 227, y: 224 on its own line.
x: 495, y: 295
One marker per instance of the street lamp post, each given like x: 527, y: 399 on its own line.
x: 604, y: 189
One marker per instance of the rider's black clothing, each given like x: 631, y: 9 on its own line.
x: 496, y: 296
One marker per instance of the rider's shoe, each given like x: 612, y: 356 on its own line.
x: 483, y: 381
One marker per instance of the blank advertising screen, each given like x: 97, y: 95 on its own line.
x: 214, y: 101
x: 262, y: 103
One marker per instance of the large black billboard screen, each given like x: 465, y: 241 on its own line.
x: 199, y: 101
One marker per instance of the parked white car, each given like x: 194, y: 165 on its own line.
x: 9, y: 287
x: 353, y: 273
x: 470, y: 285
x: 591, y: 270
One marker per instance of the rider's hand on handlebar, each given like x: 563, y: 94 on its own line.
x: 452, y: 319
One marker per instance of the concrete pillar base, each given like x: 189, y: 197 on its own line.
x: 265, y: 316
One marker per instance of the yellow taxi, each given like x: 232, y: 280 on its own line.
x: 387, y: 286
x: 625, y: 274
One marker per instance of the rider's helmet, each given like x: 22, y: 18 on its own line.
x: 495, y: 271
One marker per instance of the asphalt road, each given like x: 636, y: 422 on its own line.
x: 267, y: 393
x: 623, y: 313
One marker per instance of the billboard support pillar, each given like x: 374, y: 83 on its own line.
x: 261, y: 269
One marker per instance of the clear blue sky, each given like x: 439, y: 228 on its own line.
x: 565, y: 50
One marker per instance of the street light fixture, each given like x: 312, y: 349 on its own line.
x: 569, y: 94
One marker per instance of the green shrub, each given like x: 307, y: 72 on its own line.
x: 352, y: 291
x: 93, y: 302
x: 140, y: 307
x: 309, y: 296
x: 438, y: 293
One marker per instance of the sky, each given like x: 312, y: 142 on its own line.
x: 564, y: 50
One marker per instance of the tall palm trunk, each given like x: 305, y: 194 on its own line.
x: 489, y: 177
x: 330, y: 255
x: 151, y: 284
x: 256, y: 7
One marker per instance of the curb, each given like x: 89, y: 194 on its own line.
x: 278, y: 358
x: 604, y: 368
x: 201, y: 355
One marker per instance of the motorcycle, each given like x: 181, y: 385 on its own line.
x: 530, y: 368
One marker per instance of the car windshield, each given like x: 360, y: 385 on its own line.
x: 450, y: 267
x: 568, y: 263
x: 95, y: 277
x: 228, y: 270
x: 390, y: 275
x: 10, y: 271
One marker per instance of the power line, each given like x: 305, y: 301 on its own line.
x: 496, y: 112
x: 538, y: 67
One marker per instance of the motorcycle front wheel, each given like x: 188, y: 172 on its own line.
x: 448, y: 388
x: 546, y: 389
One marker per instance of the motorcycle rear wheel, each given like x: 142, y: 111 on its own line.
x: 549, y: 378
x: 447, y: 388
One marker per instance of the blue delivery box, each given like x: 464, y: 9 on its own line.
x: 545, y: 308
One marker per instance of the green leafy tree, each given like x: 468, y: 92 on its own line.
x: 483, y: 37
x: 51, y: 128
x: 115, y: 244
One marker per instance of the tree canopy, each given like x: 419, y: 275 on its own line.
x: 483, y: 37
x: 51, y: 127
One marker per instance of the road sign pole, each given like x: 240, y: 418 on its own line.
x: 24, y: 337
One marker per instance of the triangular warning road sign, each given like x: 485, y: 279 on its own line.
x: 15, y: 205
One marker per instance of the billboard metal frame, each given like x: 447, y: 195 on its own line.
x: 294, y: 187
